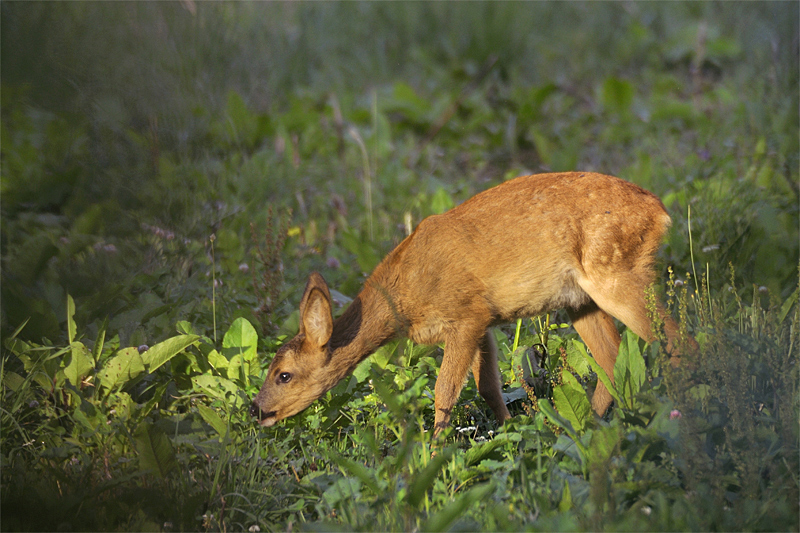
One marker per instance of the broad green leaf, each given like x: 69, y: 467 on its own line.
x: 602, y: 376
x: 576, y: 357
x: 83, y: 419
x: 234, y: 370
x: 218, y: 361
x: 629, y: 369
x: 362, y: 370
x: 384, y: 354
x: 512, y: 395
x: 616, y: 95
x: 557, y: 419
x: 216, y: 387
x: 441, y: 201
x: 13, y: 381
x: 213, y: 419
x: 241, y: 338
x: 184, y: 326
x: 71, y: 328
x: 442, y: 520
x: 604, y: 441
x: 572, y: 403
x: 155, y: 450
x: 80, y: 364
x: 164, y: 351
x: 121, y: 368
x: 480, y: 451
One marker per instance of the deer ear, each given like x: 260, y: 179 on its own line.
x: 316, y: 319
x: 315, y: 281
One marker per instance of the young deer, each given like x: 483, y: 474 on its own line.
x: 581, y: 241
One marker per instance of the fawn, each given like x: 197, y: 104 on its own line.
x: 577, y: 240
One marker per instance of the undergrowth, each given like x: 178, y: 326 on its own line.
x: 165, y: 195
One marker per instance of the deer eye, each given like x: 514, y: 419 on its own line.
x: 284, y: 377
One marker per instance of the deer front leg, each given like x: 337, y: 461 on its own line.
x: 458, y: 357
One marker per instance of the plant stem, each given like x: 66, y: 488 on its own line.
x: 213, y: 288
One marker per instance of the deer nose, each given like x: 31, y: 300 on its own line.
x: 256, y: 411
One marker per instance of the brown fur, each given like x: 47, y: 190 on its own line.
x: 580, y: 241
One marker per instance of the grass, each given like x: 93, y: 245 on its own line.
x: 306, y: 137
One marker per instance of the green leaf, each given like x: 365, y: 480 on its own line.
x: 241, y: 338
x: 164, y: 351
x: 242, y: 124
x: 602, y: 376
x: 213, y: 419
x: 572, y: 403
x: 546, y: 407
x: 616, y: 95
x: 16, y: 332
x: 629, y: 369
x: 216, y: 360
x: 423, y: 480
x: 71, y: 328
x: 576, y: 357
x: 566, y: 498
x: 384, y: 354
x: 13, y: 381
x: 481, y: 451
x: 366, y: 254
x: 358, y: 470
x: 787, y: 305
x: 100, y: 340
x: 217, y: 387
x: 441, y: 201
x: 83, y: 419
x: 80, y: 364
x: 234, y: 371
x: 342, y: 489
x: 184, y: 326
x: 362, y: 370
x: 121, y: 368
x: 604, y: 442
x: 155, y: 450
x: 442, y: 520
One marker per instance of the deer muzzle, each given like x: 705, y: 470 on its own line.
x: 264, y: 419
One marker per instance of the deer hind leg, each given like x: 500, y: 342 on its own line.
x: 597, y: 329
x: 487, y: 376
x: 625, y: 300
x: 459, y: 353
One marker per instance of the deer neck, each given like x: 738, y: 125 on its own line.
x: 366, y: 325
